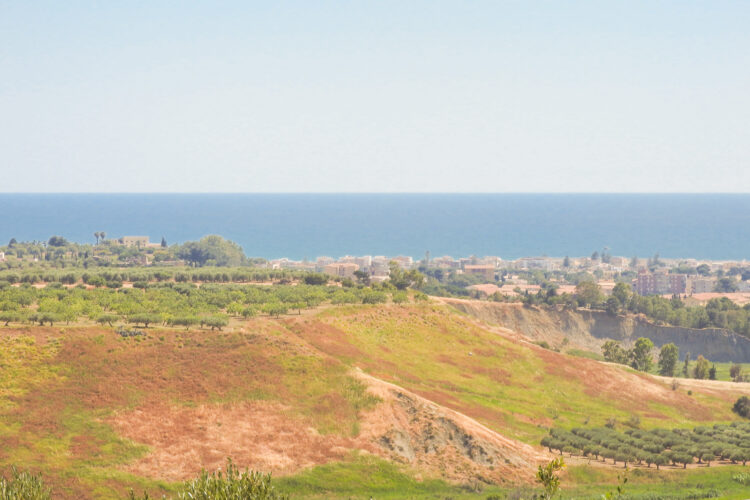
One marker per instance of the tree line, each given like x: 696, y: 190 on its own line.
x: 640, y: 357
x: 183, y: 303
x: 656, y: 447
x: 58, y: 252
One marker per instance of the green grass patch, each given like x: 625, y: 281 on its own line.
x: 585, y: 354
x: 365, y: 477
x: 584, y: 482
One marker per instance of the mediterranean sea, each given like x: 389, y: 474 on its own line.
x: 297, y: 226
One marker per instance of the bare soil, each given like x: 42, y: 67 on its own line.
x: 260, y: 435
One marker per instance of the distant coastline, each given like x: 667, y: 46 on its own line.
x: 299, y: 226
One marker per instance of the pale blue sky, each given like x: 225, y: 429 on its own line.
x: 375, y: 96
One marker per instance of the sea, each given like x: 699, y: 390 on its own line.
x: 305, y: 226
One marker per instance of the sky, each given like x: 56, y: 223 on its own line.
x: 379, y: 96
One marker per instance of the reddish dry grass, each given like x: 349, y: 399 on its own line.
x: 145, y: 381
x: 260, y: 435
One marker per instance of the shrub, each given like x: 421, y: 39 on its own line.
x: 23, y: 486
x: 548, y: 477
x: 231, y: 485
x: 316, y: 279
x: 742, y: 407
x: 735, y: 371
x: 373, y: 297
x: 634, y: 421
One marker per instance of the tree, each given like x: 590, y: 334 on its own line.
x: 668, y: 357
x: 213, y: 250
x: 107, y: 318
x: 735, y: 371
x: 595, y: 255
x: 640, y: 355
x: 660, y: 460
x: 275, y: 309
x: 163, y: 242
x: 588, y: 293
x: 712, y: 372
x: 726, y: 285
x: 186, y: 321
x: 566, y: 261
x: 623, y: 292
x: 742, y: 407
x: 614, y: 352
x: 8, y: 316
x: 12, y: 243
x: 612, y: 306
x: 144, y: 319
x: 363, y: 277
x: 685, y: 367
x: 634, y: 262
x: 315, y: 279
x: 703, y: 270
x: 547, y: 476
x: 683, y: 458
x: 57, y: 241
x: 404, y: 279
x: 215, y: 322
x: 700, y: 370
x: 96, y: 235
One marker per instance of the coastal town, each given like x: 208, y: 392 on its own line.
x: 653, y: 276
x: 478, y: 277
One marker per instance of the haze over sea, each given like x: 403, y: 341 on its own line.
x: 297, y: 226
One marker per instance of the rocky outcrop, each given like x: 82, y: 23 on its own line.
x: 411, y: 429
x: 590, y: 329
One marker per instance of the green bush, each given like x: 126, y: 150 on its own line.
x: 230, y: 485
x: 742, y: 407
x: 23, y: 486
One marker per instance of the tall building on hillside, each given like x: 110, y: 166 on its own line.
x: 661, y: 283
x: 341, y: 269
x: 134, y: 241
x: 703, y: 285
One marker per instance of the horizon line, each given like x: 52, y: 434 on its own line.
x: 376, y: 192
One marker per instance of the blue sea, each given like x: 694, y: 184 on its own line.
x: 297, y: 226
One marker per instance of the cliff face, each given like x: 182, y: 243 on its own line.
x: 590, y: 329
x: 713, y: 343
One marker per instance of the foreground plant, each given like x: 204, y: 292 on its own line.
x: 228, y: 485
x: 231, y: 485
x: 547, y: 475
x: 23, y: 486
